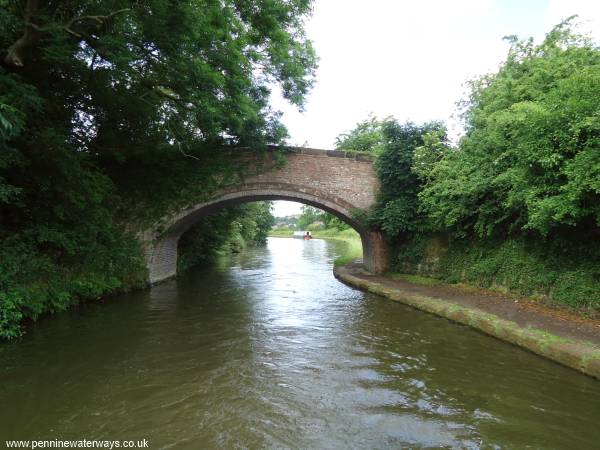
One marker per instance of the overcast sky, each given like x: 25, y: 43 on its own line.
x: 409, y: 59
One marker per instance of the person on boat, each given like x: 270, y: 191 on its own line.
x: 307, y: 236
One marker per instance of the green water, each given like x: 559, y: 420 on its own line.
x: 268, y: 350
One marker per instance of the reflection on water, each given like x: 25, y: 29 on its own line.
x: 269, y: 351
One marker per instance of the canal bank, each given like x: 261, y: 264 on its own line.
x: 565, y: 338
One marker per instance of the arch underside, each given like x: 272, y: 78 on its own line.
x: 251, y: 193
x: 162, y: 253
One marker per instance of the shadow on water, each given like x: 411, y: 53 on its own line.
x: 267, y: 349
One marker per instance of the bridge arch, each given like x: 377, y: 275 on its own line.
x: 339, y: 185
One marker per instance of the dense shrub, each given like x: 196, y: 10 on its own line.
x: 225, y: 231
x: 530, y: 160
x: 397, y: 211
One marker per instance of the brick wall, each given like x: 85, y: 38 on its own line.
x: 347, y: 178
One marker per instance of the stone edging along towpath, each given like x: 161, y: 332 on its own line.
x: 581, y: 355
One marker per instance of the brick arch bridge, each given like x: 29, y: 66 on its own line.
x: 334, y: 181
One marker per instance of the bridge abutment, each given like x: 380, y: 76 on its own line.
x: 376, y: 256
x: 162, y: 261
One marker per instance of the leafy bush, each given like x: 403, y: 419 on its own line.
x: 32, y: 283
x: 365, y: 137
x: 398, y: 211
x: 225, y: 231
x: 531, y: 156
x: 311, y: 216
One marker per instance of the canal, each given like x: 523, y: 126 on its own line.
x: 269, y: 350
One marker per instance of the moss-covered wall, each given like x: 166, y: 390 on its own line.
x: 566, y: 272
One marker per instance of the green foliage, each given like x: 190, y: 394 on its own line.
x: 201, y: 244
x: 111, y: 113
x: 425, y: 158
x: 33, y: 282
x: 520, y: 196
x: 225, y: 231
x: 397, y: 211
x: 565, y: 270
x: 310, y: 215
x: 259, y: 221
x: 333, y: 222
x: 366, y: 136
x: 531, y: 156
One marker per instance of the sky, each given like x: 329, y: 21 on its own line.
x: 409, y: 59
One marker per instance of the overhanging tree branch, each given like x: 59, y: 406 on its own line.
x: 15, y: 55
x: 164, y: 89
x: 99, y: 19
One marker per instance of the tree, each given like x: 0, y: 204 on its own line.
x: 366, y: 136
x: 530, y: 161
x: 127, y: 107
x: 160, y: 72
x: 309, y: 216
x: 225, y: 231
x: 397, y: 211
x: 333, y: 222
x: 256, y: 221
x: 435, y: 148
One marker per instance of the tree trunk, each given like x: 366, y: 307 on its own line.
x: 15, y: 55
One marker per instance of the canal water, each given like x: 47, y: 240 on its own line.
x: 269, y: 350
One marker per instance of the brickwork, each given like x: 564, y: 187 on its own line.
x: 330, y: 180
x: 350, y: 180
